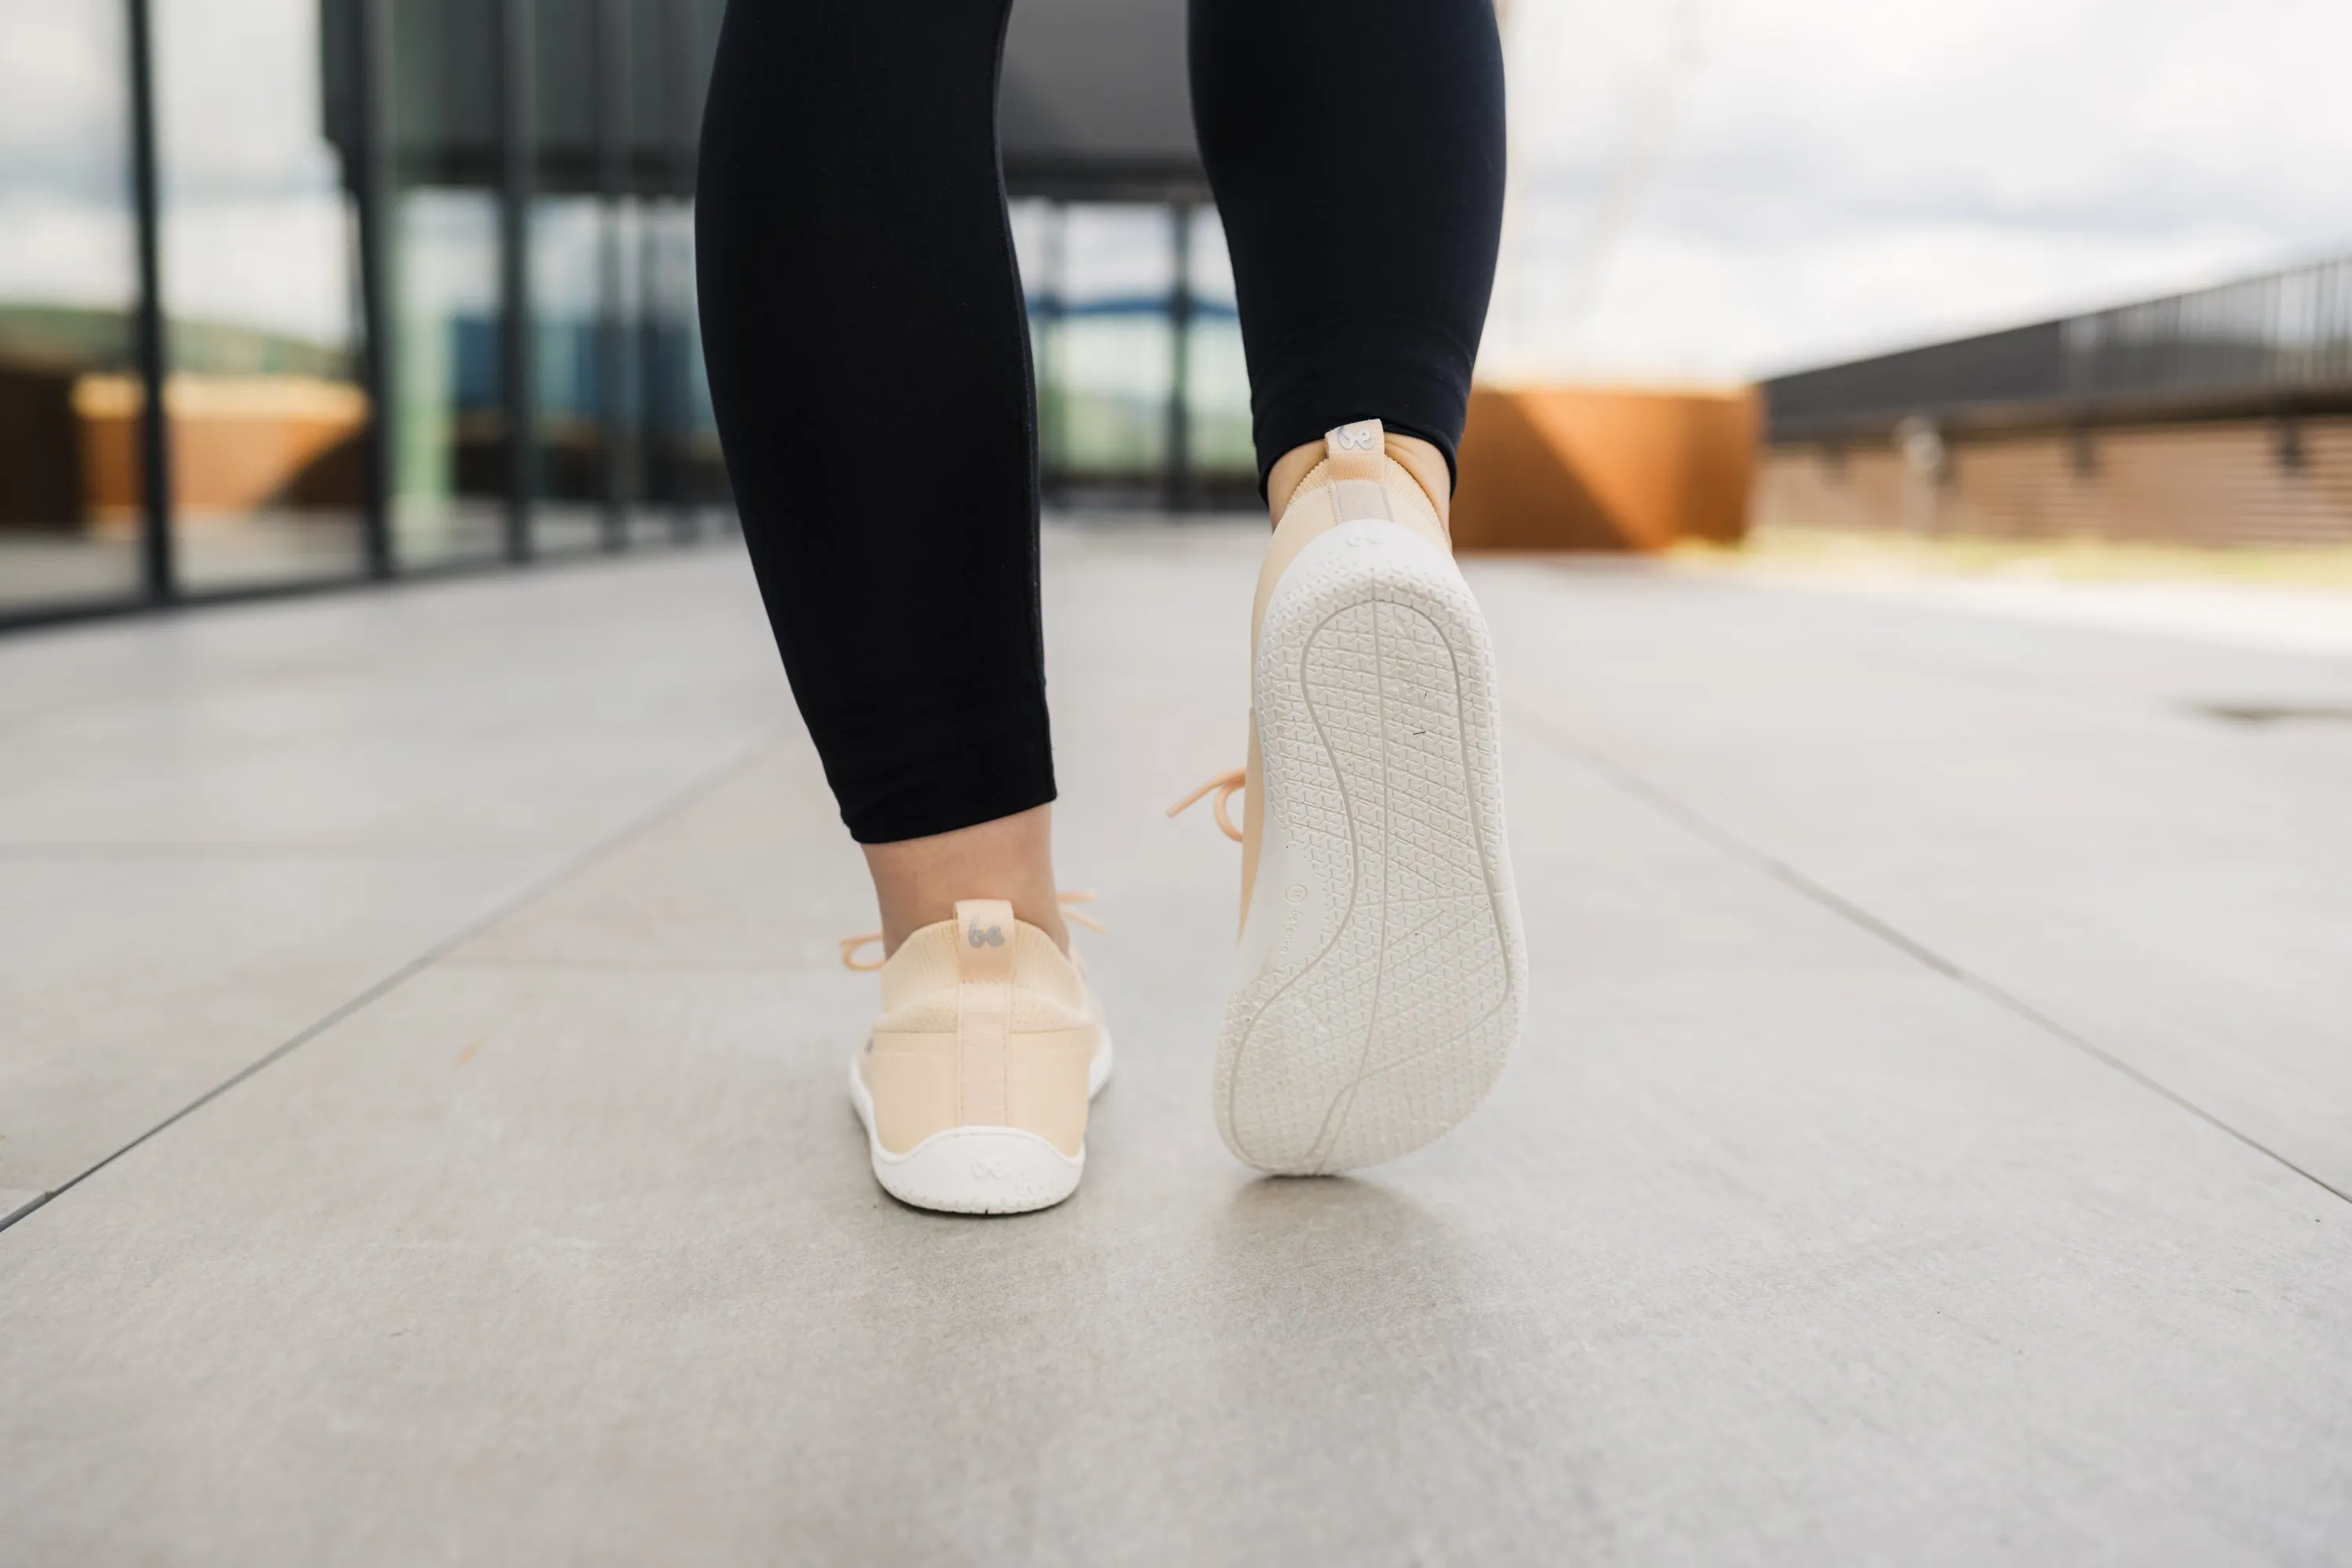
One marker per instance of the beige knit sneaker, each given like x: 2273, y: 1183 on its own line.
x: 1381, y: 978
x: 974, y: 1083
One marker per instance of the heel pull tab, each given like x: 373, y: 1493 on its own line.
x: 1357, y: 455
x: 986, y: 938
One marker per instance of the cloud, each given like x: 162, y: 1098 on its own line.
x: 1838, y: 176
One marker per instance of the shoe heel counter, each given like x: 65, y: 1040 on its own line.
x: 912, y: 1083
x: 986, y: 937
x: 1045, y: 1083
x: 1051, y: 1051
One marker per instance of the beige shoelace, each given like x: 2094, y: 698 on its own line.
x: 851, y: 946
x: 1226, y: 785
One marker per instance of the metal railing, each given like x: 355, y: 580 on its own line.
x: 2278, y: 343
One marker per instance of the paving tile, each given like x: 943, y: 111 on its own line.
x: 477, y: 714
x: 580, y: 1264
x: 2045, y: 807
x: 1776, y: 1244
x: 131, y: 984
x: 757, y: 870
x: 216, y: 830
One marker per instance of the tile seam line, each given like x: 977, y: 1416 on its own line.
x: 539, y: 887
x: 191, y: 851
x: 1697, y: 823
x: 635, y: 965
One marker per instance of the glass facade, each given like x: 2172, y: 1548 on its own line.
x: 214, y: 209
x: 674, y: 470
x: 1141, y: 390
x: 1113, y: 367
x: 568, y: 245
x: 1215, y: 380
x: 450, y: 426
x: 571, y: 245
x: 682, y: 473
x: 298, y: 292
x: 71, y: 497
x: 448, y: 458
x: 270, y: 424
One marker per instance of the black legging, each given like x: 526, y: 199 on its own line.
x: 869, y: 352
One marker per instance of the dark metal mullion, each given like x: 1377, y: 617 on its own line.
x: 517, y: 114
x: 1180, y: 360
x: 1051, y: 392
x: 161, y: 578
x: 609, y: 84
x: 681, y: 40
x: 658, y: 404
x: 370, y: 72
x: 649, y: 178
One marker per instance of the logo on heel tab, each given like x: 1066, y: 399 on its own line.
x: 985, y: 936
x: 1361, y: 437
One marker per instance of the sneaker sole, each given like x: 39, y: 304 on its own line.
x: 978, y: 1170
x: 1382, y: 976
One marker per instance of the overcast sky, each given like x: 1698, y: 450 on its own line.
x: 1791, y: 181
x: 1829, y: 177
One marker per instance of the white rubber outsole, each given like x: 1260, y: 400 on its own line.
x: 1382, y: 977
x: 978, y: 1170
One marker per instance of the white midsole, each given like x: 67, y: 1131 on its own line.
x: 978, y: 1170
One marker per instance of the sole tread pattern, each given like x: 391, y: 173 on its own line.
x: 1377, y: 725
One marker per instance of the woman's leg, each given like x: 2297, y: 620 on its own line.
x: 869, y: 362
x: 1356, y: 150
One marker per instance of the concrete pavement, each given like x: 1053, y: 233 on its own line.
x: 1930, y: 1143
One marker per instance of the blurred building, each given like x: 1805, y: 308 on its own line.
x: 297, y: 292
x: 2223, y: 415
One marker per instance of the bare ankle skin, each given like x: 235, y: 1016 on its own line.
x: 917, y: 880
x: 1421, y: 459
